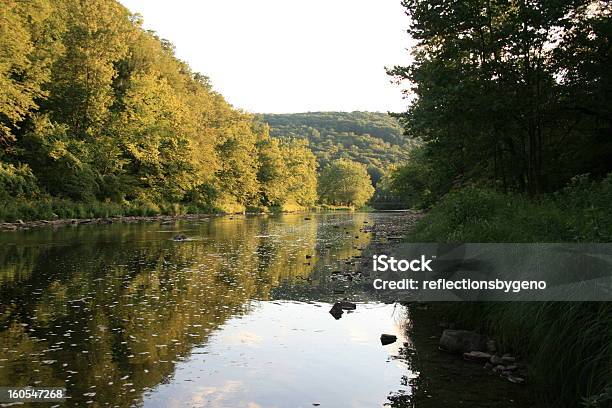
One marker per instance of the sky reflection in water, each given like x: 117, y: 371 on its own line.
x: 121, y: 315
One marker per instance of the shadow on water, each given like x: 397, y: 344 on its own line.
x: 236, y: 315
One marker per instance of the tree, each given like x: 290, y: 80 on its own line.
x: 26, y: 51
x: 496, y: 91
x: 345, y: 182
x: 301, y: 180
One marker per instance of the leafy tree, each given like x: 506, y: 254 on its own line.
x: 25, y: 55
x: 495, y: 86
x: 94, y: 107
x: 301, y: 174
x: 345, y: 182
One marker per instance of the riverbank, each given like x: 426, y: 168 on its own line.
x: 447, y: 379
x: 569, y: 344
x: 25, y: 225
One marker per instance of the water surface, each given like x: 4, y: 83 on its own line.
x: 236, y: 316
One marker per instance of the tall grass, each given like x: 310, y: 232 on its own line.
x: 569, y: 344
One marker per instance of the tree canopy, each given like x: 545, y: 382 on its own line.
x: 372, y: 138
x: 513, y: 95
x: 94, y: 107
x: 345, y: 182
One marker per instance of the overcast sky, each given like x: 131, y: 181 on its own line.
x: 286, y: 55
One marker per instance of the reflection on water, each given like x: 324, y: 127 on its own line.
x: 122, y: 315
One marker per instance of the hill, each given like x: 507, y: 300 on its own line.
x: 372, y: 138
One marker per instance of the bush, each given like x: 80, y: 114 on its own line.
x: 17, y: 182
x: 569, y: 344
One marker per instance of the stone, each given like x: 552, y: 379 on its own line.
x: 511, y: 367
x: 346, y: 305
x: 515, y: 379
x: 499, y: 368
x: 461, y: 341
x: 180, y: 237
x: 387, y: 339
x: 508, y: 359
x: 477, y: 356
x: 496, y: 360
x: 336, y: 311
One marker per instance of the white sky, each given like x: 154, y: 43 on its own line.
x: 280, y: 56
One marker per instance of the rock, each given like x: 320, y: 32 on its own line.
x: 496, y: 360
x: 516, y: 380
x: 491, y: 346
x: 20, y: 222
x: 499, y: 368
x: 346, y: 305
x: 461, y: 341
x: 180, y: 237
x: 511, y: 367
x: 336, y: 310
x: 477, y: 356
x: 308, y: 256
x: 387, y: 339
x: 508, y: 359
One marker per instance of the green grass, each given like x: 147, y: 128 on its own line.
x: 568, y: 343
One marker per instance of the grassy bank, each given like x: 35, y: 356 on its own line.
x: 568, y: 344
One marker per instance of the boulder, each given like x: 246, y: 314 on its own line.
x: 477, y: 356
x: 336, y: 311
x: 496, y: 360
x: 346, y: 305
x: 516, y: 380
x: 387, y: 339
x: 461, y: 341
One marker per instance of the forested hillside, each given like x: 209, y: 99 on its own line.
x: 97, y: 115
x: 372, y: 138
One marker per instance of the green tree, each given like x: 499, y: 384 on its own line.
x: 505, y: 92
x: 26, y: 51
x: 301, y: 173
x: 345, y: 182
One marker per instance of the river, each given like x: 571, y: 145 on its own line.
x: 234, y: 316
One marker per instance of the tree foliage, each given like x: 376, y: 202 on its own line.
x: 372, y: 138
x: 95, y: 108
x: 515, y: 95
x: 345, y: 182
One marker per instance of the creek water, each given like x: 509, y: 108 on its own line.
x: 236, y: 315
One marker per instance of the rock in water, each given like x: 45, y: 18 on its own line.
x: 180, y: 237
x: 462, y: 341
x: 387, y: 339
x: 346, y: 305
x: 336, y: 311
